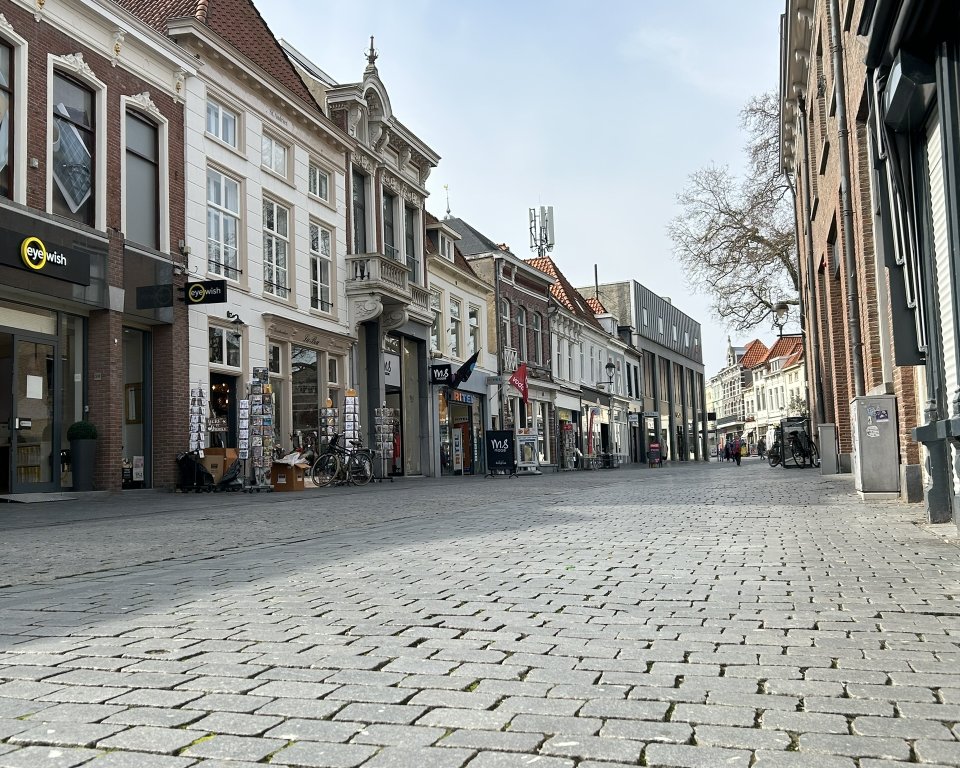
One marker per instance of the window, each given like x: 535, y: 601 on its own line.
x: 436, y: 306
x: 276, y: 356
x: 223, y: 224
x: 674, y: 334
x: 660, y: 325
x: 334, y: 365
x: 6, y: 120
x: 359, y: 183
x: 276, y: 242
x: 456, y: 317
x: 643, y: 314
x: 74, y: 143
x: 273, y: 155
x: 142, y: 185
x: 570, y: 371
x: 505, y: 339
x: 318, y: 181
x: 629, y: 382
x: 320, y: 251
x: 522, y: 333
x: 473, y: 320
x: 224, y: 346
x: 686, y: 338
x: 410, y: 242
x: 593, y: 376
x: 559, y: 350
x: 581, y: 369
x: 446, y: 247
x: 537, y: 338
x: 389, y: 232
x: 222, y: 122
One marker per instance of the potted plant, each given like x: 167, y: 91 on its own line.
x: 83, y: 452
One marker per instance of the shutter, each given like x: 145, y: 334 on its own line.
x: 941, y: 251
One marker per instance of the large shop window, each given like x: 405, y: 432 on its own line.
x: 74, y: 146
x: 320, y: 263
x: 223, y: 224
x: 276, y: 244
x: 6, y: 120
x: 142, y: 192
x: 314, y: 377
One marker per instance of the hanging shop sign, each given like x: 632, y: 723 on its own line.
x: 440, y: 374
x: 205, y: 292
x: 44, y: 256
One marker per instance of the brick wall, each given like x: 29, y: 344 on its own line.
x: 105, y: 362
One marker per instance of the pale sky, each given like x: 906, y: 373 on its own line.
x: 600, y: 109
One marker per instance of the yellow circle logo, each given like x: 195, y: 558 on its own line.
x: 196, y: 293
x: 34, y: 253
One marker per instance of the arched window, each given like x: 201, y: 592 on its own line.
x: 522, y: 333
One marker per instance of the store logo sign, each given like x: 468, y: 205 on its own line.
x: 206, y: 292
x: 35, y: 255
x: 500, y: 445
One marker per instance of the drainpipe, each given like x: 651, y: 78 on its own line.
x: 812, y: 328
x: 496, y: 313
x: 846, y: 201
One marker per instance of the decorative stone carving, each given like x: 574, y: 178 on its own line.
x: 381, y: 138
x: 392, y: 182
x: 405, y: 154
x: 145, y: 103
x: 393, y: 318
x: 363, y: 161
x: 75, y: 62
x: 353, y: 118
x: 118, y: 37
x: 362, y: 310
x: 5, y: 25
x: 179, y: 83
x: 424, y: 172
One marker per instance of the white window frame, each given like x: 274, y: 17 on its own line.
x: 538, y: 338
x: 218, y: 133
x: 455, y: 329
x: 446, y: 247
x: 522, y: 333
x: 278, y: 288
x: 436, y: 329
x: 317, y: 256
x: 78, y: 70
x: 315, y: 171
x: 221, y: 268
x: 234, y: 331
x: 273, y: 142
x: 21, y: 107
x: 474, y: 340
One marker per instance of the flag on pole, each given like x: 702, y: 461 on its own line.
x: 519, y: 380
x: 464, y: 371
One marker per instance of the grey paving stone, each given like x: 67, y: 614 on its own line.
x: 530, y: 705
x: 804, y: 722
x: 946, y: 752
x: 630, y: 710
x: 593, y: 748
x: 305, y: 708
x: 372, y: 694
x: 141, y: 760
x: 855, y: 746
x: 62, y: 734
x: 47, y: 757
x: 235, y: 724
x: 765, y: 759
x: 14, y: 708
x: 314, y: 755
x: 712, y: 715
x: 154, y: 698
x: 465, y: 718
x: 149, y: 738
x: 848, y: 706
x: 314, y: 730
x: 497, y: 741
x: 76, y: 713
x: 648, y: 730
x: 741, y: 738
x: 234, y: 748
x: 551, y: 724
x: 423, y: 757
x: 166, y: 718
x: 904, y: 728
x: 507, y: 760
x: 684, y: 756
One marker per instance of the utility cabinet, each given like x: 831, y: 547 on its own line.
x: 876, y: 454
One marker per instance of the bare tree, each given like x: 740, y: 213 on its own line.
x: 735, y: 236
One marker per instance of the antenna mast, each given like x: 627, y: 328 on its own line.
x: 542, y: 237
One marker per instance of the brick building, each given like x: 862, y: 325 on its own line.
x: 862, y: 336
x: 91, y: 192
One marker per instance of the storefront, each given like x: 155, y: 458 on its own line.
x: 568, y: 437
x: 402, y: 381
x: 461, y: 419
x: 46, y: 290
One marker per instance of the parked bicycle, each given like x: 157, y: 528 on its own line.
x: 802, y: 450
x: 340, y: 465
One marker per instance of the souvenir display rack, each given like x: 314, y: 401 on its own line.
x: 329, y: 420
x: 198, y: 416
x: 256, y: 431
x: 386, y: 421
x: 351, y: 417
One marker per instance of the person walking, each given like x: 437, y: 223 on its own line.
x: 761, y: 447
x: 735, y: 449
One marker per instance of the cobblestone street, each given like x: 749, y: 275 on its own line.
x: 692, y: 616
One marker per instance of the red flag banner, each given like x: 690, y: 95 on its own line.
x: 519, y: 380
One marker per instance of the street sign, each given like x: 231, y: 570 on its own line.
x: 205, y: 292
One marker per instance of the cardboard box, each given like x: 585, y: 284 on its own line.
x: 229, y: 455
x: 288, y: 477
x: 214, y: 465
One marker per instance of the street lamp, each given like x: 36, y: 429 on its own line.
x: 609, y: 368
x: 780, y: 311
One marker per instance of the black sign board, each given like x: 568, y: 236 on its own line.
x: 205, y: 292
x: 440, y: 374
x: 711, y: 415
x: 500, y: 451
x: 154, y: 296
x: 44, y: 256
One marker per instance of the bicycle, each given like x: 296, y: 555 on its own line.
x: 803, y: 449
x: 343, y: 466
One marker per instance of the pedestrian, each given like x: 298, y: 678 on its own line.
x: 736, y: 450
x: 761, y: 447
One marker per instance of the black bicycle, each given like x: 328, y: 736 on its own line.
x: 341, y: 466
x: 802, y: 450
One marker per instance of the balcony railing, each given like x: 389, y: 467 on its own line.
x: 370, y: 271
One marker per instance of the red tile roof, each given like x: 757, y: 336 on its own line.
x: 236, y: 21
x: 596, y: 305
x: 785, y: 346
x: 754, y: 354
x: 564, y: 292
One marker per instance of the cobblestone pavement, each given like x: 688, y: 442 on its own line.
x: 696, y: 616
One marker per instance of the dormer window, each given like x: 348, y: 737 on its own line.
x: 446, y: 247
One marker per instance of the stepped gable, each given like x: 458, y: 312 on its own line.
x: 564, y: 292
x: 236, y: 21
x: 756, y: 353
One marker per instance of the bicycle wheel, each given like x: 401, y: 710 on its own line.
x: 773, y: 455
x: 814, y: 454
x: 799, y: 456
x: 360, y: 468
x: 325, y: 469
